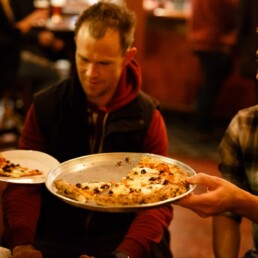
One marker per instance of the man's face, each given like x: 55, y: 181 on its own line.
x: 99, y: 64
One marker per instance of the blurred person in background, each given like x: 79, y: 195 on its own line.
x: 38, y: 45
x: 10, y: 50
x: 212, y: 34
x: 247, y: 39
x: 18, y: 64
x: 24, y: 63
x: 9, y: 47
x: 100, y: 108
x: 38, y: 39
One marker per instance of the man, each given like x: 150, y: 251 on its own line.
x: 239, y: 165
x: 39, y: 41
x: 36, y: 45
x: 221, y: 196
x: 100, y: 109
x: 15, y: 61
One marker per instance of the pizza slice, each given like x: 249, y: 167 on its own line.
x: 71, y: 191
x: 11, y: 169
x: 81, y: 192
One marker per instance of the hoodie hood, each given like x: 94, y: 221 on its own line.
x: 128, y: 87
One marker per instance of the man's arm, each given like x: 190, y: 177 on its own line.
x: 221, y: 196
x: 226, y: 237
x: 248, y: 206
x: 147, y: 228
x: 156, y: 140
x: 21, y: 206
x: 22, y: 203
x: 31, y: 138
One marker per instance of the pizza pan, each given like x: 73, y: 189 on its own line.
x: 106, y: 167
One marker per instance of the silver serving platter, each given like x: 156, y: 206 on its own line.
x: 105, y: 167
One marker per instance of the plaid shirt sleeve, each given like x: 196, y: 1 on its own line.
x: 238, y: 150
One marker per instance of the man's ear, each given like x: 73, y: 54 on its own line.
x: 130, y: 54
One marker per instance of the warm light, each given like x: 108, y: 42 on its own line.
x: 41, y: 4
x: 92, y: 2
x: 58, y: 2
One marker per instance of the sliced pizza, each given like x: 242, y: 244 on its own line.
x: 150, y: 181
x: 11, y: 169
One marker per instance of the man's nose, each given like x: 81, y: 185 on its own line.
x: 92, y: 70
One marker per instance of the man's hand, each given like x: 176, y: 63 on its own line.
x: 26, y: 251
x: 218, y: 198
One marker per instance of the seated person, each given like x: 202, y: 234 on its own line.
x: 39, y: 41
x: 101, y: 108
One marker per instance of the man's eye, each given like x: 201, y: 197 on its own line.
x: 104, y: 63
x: 84, y: 60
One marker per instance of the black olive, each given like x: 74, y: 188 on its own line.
x: 143, y: 171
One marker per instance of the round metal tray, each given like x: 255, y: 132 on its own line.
x: 105, y: 167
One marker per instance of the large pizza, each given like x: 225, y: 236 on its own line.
x: 151, y: 180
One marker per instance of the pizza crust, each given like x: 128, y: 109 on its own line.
x: 71, y: 191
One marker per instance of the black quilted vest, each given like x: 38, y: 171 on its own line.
x: 61, y: 114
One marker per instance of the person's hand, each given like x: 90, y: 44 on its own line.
x: 26, y: 251
x: 32, y: 19
x: 217, y: 199
x: 86, y: 256
x: 47, y: 39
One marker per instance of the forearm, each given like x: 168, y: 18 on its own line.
x: 226, y: 237
x: 247, y: 205
x: 25, y: 25
x: 21, y: 205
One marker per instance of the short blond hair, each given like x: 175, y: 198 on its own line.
x: 103, y: 16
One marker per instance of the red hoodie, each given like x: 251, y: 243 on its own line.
x: 22, y: 202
